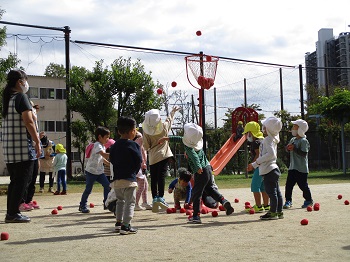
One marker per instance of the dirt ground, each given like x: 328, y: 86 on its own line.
x: 73, y: 236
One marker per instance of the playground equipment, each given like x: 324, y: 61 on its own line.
x: 227, y: 151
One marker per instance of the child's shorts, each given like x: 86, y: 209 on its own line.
x: 257, y: 184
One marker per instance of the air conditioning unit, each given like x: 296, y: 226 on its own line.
x: 78, y: 170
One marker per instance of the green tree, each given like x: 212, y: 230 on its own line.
x: 55, y: 70
x: 80, y: 138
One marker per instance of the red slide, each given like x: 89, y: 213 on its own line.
x: 224, y: 155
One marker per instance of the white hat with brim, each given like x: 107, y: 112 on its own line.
x: 152, y: 125
x: 303, y: 127
x: 193, y: 135
x: 273, y: 126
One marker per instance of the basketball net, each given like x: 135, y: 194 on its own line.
x: 203, y: 68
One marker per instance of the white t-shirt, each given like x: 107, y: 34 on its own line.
x: 94, y: 164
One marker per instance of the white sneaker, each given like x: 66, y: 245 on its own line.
x: 139, y: 208
x: 41, y: 190
x: 147, y: 206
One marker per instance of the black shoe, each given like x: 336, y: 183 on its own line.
x: 228, y: 207
x: 84, y: 209
x: 126, y: 230
x: 18, y: 218
x: 118, y: 226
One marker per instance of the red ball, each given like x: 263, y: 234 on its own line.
x: 59, y: 208
x: 198, y: 33
x: 159, y: 91
x: 214, y: 213
x: 54, y: 212
x: 247, y: 203
x: 174, y: 210
x: 346, y: 202
x: 340, y: 196
x: 316, y: 204
x: 309, y: 208
x: 304, y: 222
x: 173, y: 84
x: 316, y: 208
x: 252, y: 211
x: 92, y: 205
x: 190, y: 216
x: 236, y: 200
x: 169, y: 210
x: 248, y: 206
x: 34, y: 202
x: 5, y: 236
x: 208, y: 58
x: 204, y: 211
x: 188, y: 213
x: 182, y: 210
x: 221, y: 208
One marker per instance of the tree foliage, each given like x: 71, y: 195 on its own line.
x: 80, y: 138
x: 55, y: 70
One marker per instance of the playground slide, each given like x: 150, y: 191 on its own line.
x: 224, y: 155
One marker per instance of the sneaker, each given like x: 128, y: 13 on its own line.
x: 177, y: 206
x: 139, y: 208
x: 288, y: 204
x: 64, y: 192
x: 257, y: 209
x: 56, y: 193
x: 41, y: 190
x: 267, y: 208
x: 194, y: 220
x: 159, y: 207
x: 126, y: 230
x: 18, y: 218
x: 34, y: 206
x: 228, y: 207
x: 307, y: 203
x: 269, y: 216
x: 118, y: 226
x: 50, y: 190
x: 155, y: 200
x: 147, y: 206
x: 25, y: 207
x: 162, y: 200
x: 280, y: 215
x: 84, y: 209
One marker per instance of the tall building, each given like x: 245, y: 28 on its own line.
x: 327, y: 66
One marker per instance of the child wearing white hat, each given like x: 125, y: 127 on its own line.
x: 199, y: 164
x: 298, y: 170
x: 268, y: 167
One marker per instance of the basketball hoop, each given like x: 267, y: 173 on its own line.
x: 203, y: 68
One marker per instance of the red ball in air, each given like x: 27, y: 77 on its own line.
x: 159, y: 91
x: 198, y: 33
x: 173, y: 84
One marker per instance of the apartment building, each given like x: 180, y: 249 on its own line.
x: 50, y: 94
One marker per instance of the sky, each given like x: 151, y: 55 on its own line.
x: 270, y: 31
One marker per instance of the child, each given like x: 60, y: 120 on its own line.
x: 298, y: 169
x: 59, y: 164
x: 268, y: 168
x: 46, y: 162
x: 142, y: 183
x: 254, y: 137
x: 94, y: 170
x: 182, y: 188
x: 239, y: 131
x: 159, y: 154
x: 203, y: 179
x: 126, y: 159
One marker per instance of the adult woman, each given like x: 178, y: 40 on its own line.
x: 21, y: 144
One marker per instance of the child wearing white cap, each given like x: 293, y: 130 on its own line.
x: 199, y: 164
x: 298, y: 170
x: 268, y: 167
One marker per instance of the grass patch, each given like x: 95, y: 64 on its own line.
x: 223, y: 181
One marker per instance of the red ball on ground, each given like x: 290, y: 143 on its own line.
x: 236, y: 200
x: 188, y: 213
x: 173, y: 84
x: 92, y: 205
x: 252, y: 211
x: 221, y: 208
x: 346, y: 202
x: 316, y: 204
x: 316, y: 208
x: 248, y: 206
x: 340, y: 196
x: 204, y: 211
x: 182, y: 210
x: 304, y: 222
x: 169, y: 210
x: 214, y: 213
x: 59, y: 208
x: 247, y: 203
x: 173, y: 209
x: 159, y: 91
x: 34, y: 202
x: 54, y: 212
x: 190, y: 216
x: 5, y: 236
x: 309, y: 208
x: 198, y: 33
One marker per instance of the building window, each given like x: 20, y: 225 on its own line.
x: 34, y: 92
x: 53, y: 126
x: 47, y: 93
x: 60, y: 94
x: 61, y: 126
x: 75, y: 156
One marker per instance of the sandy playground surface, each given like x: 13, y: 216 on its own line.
x: 73, y: 236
